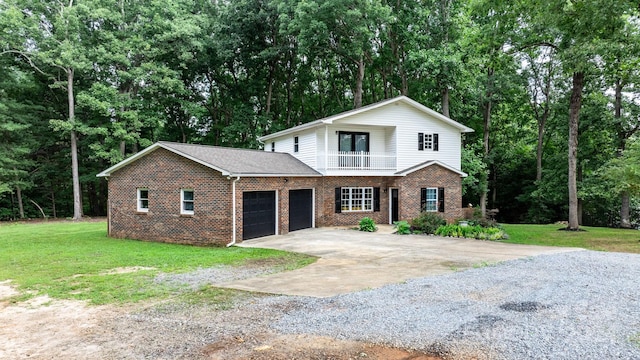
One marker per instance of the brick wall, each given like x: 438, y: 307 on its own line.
x: 164, y: 174
x: 432, y: 176
x: 330, y: 218
x: 408, y: 195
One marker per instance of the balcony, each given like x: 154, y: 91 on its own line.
x: 359, y: 160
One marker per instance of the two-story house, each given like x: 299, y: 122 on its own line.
x: 388, y: 161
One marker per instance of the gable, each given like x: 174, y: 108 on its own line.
x: 369, y: 111
x: 398, y: 114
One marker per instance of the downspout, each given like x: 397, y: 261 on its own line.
x: 233, y: 207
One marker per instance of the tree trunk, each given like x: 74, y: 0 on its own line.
x: 574, y: 115
x: 541, y: 130
x: 445, y: 101
x: 625, y: 206
x: 625, y: 219
x: 53, y: 204
x: 19, y: 199
x: 486, y: 114
x: 357, y: 98
x: 77, y: 201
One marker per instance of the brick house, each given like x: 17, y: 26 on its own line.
x: 388, y: 161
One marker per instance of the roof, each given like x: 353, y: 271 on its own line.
x: 402, y: 99
x: 228, y: 161
x: 429, y: 163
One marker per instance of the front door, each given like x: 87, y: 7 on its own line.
x: 393, y: 204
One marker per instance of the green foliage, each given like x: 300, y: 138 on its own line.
x: 367, y: 224
x: 427, y: 222
x: 402, y: 227
x: 81, y: 262
x: 624, y: 172
x: 225, y: 72
x: 471, y: 231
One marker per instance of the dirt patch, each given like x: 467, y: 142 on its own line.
x: 45, y: 328
x: 42, y: 328
x: 126, y: 270
x: 287, y: 347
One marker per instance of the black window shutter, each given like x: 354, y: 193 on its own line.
x: 338, y: 200
x: 435, y: 142
x: 441, y: 199
x: 420, y: 141
x: 376, y: 199
x: 423, y: 199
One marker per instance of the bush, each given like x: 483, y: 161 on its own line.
x: 367, y: 224
x: 402, y: 227
x: 427, y: 222
x: 473, y: 232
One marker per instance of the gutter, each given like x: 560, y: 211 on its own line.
x: 233, y: 215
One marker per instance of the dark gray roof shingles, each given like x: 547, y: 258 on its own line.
x: 244, y: 161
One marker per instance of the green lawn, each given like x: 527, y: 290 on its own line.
x: 76, y: 260
x: 594, y: 238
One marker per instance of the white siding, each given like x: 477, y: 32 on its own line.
x: 409, y: 122
x: 393, y: 129
x: 306, y: 146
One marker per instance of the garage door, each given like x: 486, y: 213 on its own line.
x: 300, y: 209
x: 258, y: 214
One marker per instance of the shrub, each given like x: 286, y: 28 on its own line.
x: 474, y: 232
x: 402, y: 227
x: 427, y: 222
x: 367, y: 224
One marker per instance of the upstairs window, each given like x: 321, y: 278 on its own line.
x: 296, y: 146
x: 186, y: 202
x: 273, y: 146
x: 427, y: 141
x: 143, y: 200
x: 353, y: 141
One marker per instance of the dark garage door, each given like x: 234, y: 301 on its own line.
x: 300, y: 209
x: 258, y: 214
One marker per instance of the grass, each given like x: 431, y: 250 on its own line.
x: 76, y: 260
x: 593, y: 238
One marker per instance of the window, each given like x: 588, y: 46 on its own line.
x: 432, y: 199
x: 353, y: 141
x: 186, y: 202
x: 356, y: 199
x: 428, y: 141
x: 273, y: 146
x: 296, y: 146
x: 143, y: 200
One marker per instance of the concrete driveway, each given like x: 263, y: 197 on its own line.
x: 351, y: 260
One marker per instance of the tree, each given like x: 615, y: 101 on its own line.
x: 578, y: 30
x: 48, y: 38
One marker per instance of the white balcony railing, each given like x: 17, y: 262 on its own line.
x: 360, y: 160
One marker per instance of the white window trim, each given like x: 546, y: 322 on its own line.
x: 296, y: 144
x: 363, y: 200
x: 426, y: 200
x: 139, y: 199
x: 183, y: 211
x: 428, y: 141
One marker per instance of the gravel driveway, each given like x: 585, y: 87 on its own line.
x: 577, y: 305
x: 574, y: 305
